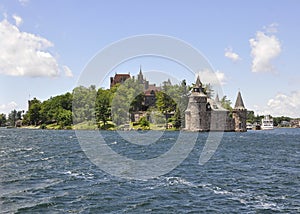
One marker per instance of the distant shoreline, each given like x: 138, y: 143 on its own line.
x: 93, y: 129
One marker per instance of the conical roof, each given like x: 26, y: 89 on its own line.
x: 198, y: 82
x: 217, y: 98
x: 239, y: 104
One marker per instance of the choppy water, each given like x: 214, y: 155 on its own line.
x: 47, y: 172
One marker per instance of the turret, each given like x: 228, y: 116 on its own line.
x: 239, y: 114
x: 195, y: 114
x: 140, y: 76
x: 217, y: 100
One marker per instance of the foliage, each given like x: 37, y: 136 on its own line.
x: 122, y: 101
x: 34, y: 115
x: 208, y: 90
x: 144, y: 123
x: 177, y: 119
x: 2, y: 119
x: 278, y: 120
x: 251, y: 118
x: 164, y: 103
x: 102, y: 107
x: 14, y: 116
x: 226, y: 103
x: 84, y: 100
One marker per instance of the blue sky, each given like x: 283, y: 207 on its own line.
x: 254, y: 46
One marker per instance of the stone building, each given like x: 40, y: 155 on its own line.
x: 205, y: 114
x: 118, y: 78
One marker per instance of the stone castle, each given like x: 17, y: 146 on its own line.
x: 205, y: 114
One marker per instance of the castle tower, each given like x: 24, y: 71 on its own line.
x: 239, y: 114
x: 196, y: 112
x: 140, y: 76
x: 217, y: 99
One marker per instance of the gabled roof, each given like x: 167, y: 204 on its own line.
x: 239, y: 104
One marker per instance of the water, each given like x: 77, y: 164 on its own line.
x: 44, y: 171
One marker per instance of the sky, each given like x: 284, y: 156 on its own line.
x: 252, y: 46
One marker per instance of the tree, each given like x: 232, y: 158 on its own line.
x: 144, y: 123
x: 64, y: 118
x: 34, y: 114
x: 103, y: 106
x: 226, y: 103
x: 2, y: 119
x: 183, y: 103
x: 51, y: 108
x: 83, y: 104
x: 165, y: 104
x: 122, y: 99
x: 177, y: 119
x: 208, y: 90
x: 13, y: 116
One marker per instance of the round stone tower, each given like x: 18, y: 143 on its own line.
x: 195, y: 114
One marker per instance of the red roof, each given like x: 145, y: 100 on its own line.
x: 119, y: 78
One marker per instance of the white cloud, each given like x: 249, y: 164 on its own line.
x: 283, y: 105
x: 6, y: 108
x: 214, y: 78
x: 23, y: 2
x: 18, y: 20
x: 25, y: 54
x: 264, y: 48
x: 272, y: 28
x: 67, y: 70
x: 231, y: 55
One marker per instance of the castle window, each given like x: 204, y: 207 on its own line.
x: 208, y: 107
x: 196, y: 90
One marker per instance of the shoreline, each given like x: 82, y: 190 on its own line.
x: 131, y: 129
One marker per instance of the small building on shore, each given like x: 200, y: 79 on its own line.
x: 205, y: 114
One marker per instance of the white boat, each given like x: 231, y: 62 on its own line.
x: 249, y: 126
x: 267, y: 123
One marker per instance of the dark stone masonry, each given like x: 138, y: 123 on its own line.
x: 204, y: 114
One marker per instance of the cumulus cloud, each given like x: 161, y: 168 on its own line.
x: 67, y: 70
x: 6, y: 108
x: 18, y: 20
x: 283, y: 105
x: 25, y: 54
x: 272, y: 28
x: 231, y: 55
x: 264, y: 48
x: 214, y: 78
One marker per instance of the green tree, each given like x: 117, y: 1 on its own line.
x: 165, y: 104
x: 226, y: 103
x: 251, y: 118
x: 144, y: 123
x: 103, y: 106
x: 14, y: 116
x: 2, y: 119
x: 64, y: 118
x: 51, y: 108
x: 83, y: 105
x: 208, y: 90
x: 278, y: 120
x: 123, y: 98
x: 34, y: 113
x: 177, y: 119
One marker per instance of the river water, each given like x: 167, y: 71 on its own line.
x: 43, y: 171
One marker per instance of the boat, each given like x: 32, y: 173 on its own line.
x: 256, y: 126
x: 249, y: 126
x: 267, y: 123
